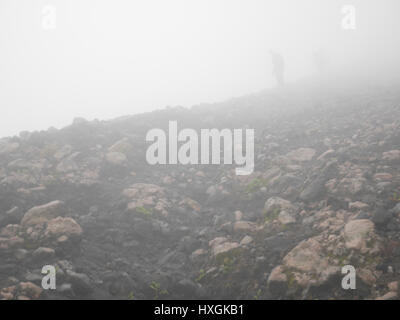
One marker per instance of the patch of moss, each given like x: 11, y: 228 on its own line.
x: 395, y: 197
x: 202, y: 274
x: 258, y: 294
x: 291, y: 279
x: 371, y: 259
x: 271, y: 215
x: 158, y: 291
x: 255, y: 185
x: 286, y: 227
x: 228, y: 265
x: 144, y: 211
x: 225, y: 257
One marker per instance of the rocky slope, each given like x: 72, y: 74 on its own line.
x: 325, y: 193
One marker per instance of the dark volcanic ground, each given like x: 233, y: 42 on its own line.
x: 325, y: 193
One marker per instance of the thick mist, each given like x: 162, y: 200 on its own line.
x: 104, y: 59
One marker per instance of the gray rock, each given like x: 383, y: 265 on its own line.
x: 396, y: 209
x: 65, y: 288
x: 186, y: 288
x: 381, y: 217
x: 80, y: 282
x: 21, y: 254
x: 314, y: 191
x: 363, y: 215
x: 308, y: 220
x: 12, y: 216
x: 43, y: 254
x: 35, y: 277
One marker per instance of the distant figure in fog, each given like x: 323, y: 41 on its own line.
x: 279, y: 67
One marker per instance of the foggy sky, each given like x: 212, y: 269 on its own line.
x: 108, y: 58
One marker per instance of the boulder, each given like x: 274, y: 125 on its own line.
x: 285, y: 218
x: 144, y: 195
x: 381, y: 217
x: 81, y: 283
x: 358, y: 205
x: 244, y: 226
x: 43, y: 213
x: 277, y: 281
x: 116, y: 158
x: 307, y: 256
x: 224, y: 247
x: 284, y: 210
x: 392, y: 155
x: 388, y: 296
x: 43, y: 254
x: 246, y: 241
x: 60, y: 227
x: 121, y: 146
x: 396, y: 209
x: 276, y: 203
x: 357, y: 233
x: 11, y: 243
x: 197, y: 254
x: 29, y: 290
x: 301, y: 154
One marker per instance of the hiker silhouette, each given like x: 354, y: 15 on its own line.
x: 278, y: 67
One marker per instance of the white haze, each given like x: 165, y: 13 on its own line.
x: 108, y: 58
